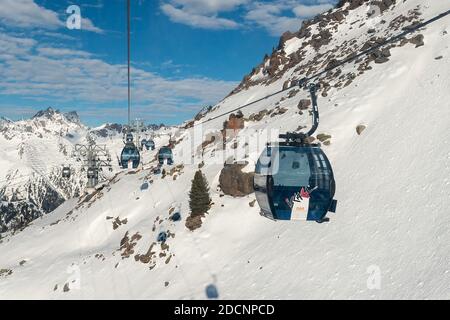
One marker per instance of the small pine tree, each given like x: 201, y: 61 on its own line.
x: 199, y: 199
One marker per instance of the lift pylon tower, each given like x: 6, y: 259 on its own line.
x: 94, y: 158
x: 138, y: 128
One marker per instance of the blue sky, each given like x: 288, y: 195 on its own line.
x: 185, y: 54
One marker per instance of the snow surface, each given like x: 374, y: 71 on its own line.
x: 393, y: 187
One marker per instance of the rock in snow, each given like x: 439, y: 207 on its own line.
x: 234, y: 182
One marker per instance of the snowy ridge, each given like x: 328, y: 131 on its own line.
x: 392, y: 186
x: 32, y: 155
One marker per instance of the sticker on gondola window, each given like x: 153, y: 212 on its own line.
x: 300, y: 205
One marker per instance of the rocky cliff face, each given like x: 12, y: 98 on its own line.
x: 26, y: 199
x: 234, y: 182
x: 43, y: 123
x: 33, y: 152
x: 318, y: 45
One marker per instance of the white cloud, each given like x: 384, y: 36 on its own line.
x: 284, y: 15
x: 59, y: 74
x: 271, y: 17
x: 209, y: 6
x: 275, y: 16
x: 61, y: 52
x: 197, y: 20
x: 87, y: 25
x: 27, y: 14
x: 202, y: 13
x: 98, y: 5
x: 311, y: 11
x: 54, y: 35
x: 15, y: 46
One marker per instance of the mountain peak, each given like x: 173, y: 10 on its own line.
x: 72, y: 116
x: 4, y: 119
x: 47, y: 113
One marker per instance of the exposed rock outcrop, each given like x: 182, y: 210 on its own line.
x: 317, y: 34
x: 235, y: 122
x: 194, y: 222
x: 304, y: 104
x: 418, y: 40
x: 258, y: 116
x: 234, y: 182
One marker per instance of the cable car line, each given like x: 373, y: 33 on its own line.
x: 304, y: 81
x: 130, y: 152
x: 128, y: 60
x: 411, y: 29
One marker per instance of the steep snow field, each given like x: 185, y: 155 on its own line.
x: 393, y: 187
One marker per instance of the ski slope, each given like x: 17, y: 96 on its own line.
x: 392, y: 222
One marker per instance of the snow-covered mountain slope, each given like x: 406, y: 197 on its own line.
x: 33, y: 152
x: 390, y: 237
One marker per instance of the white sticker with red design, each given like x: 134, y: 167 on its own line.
x: 300, y: 205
